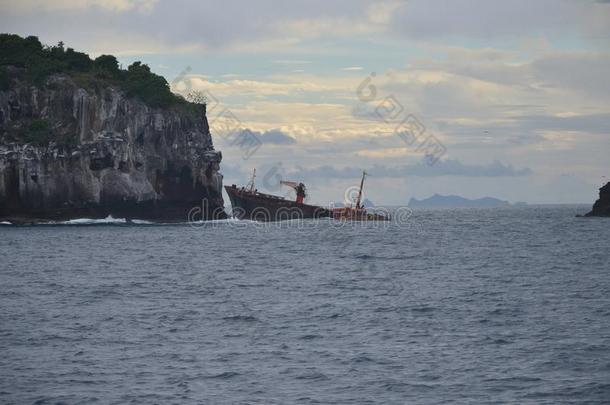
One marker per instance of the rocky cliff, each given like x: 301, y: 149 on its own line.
x: 601, y: 208
x: 68, y: 152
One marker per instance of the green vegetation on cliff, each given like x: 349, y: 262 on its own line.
x: 40, y: 61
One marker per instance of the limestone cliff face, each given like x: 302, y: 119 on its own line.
x: 601, y: 208
x: 122, y: 157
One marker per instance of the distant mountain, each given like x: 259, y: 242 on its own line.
x: 454, y: 201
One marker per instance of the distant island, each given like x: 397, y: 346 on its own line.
x: 454, y: 201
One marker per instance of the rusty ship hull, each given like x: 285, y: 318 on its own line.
x: 255, y: 206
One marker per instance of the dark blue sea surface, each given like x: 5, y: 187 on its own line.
x: 454, y: 306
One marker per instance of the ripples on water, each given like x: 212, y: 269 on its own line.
x: 507, y: 305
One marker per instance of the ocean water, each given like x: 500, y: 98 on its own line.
x: 454, y: 306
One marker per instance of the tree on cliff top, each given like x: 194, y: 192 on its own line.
x: 140, y: 81
x: 107, y: 65
x: 41, y: 61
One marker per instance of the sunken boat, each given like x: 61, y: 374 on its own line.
x: 357, y: 212
x: 249, y: 203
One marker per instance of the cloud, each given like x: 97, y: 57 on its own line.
x: 294, y: 86
x: 530, y: 129
x: 25, y: 6
x: 583, y: 72
x: 590, y: 123
x: 490, y: 97
x: 291, y: 62
x: 234, y: 24
x: 272, y: 136
x: 456, y: 168
x: 441, y: 168
x: 492, y: 19
x: 205, y: 24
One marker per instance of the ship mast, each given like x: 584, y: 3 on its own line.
x: 250, y: 185
x: 360, y: 191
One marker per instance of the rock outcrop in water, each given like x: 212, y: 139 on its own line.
x: 105, y: 154
x: 601, y: 208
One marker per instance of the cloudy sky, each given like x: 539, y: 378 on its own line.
x: 512, y: 97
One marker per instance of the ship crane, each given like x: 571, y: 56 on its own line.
x: 299, y: 188
x: 364, y: 174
